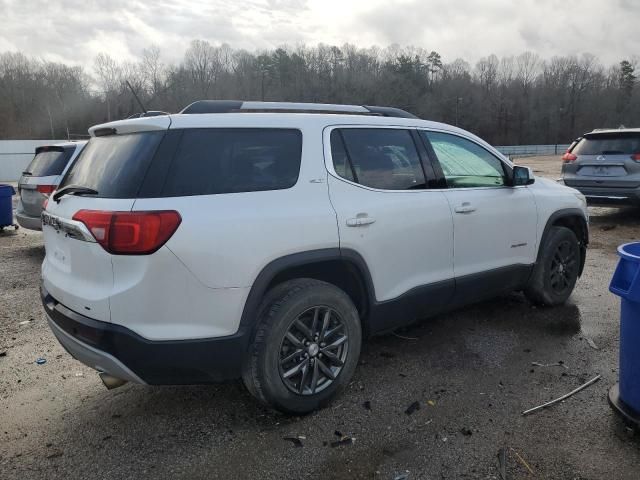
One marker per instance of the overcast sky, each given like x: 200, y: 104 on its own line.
x: 74, y: 31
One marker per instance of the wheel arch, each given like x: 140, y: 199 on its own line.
x: 343, y: 268
x: 575, y: 220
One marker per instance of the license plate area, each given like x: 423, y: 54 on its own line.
x: 602, y: 171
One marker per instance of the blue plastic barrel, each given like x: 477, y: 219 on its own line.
x: 6, y: 207
x: 625, y: 396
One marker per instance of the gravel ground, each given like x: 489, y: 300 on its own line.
x: 471, y: 372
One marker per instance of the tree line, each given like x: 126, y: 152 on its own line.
x: 523, y: 99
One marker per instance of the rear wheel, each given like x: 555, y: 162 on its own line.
x: 306, y: 347
x: 556, y: 272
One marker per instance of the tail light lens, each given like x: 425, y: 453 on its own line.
x: 635, y: 157
x: 46, y: 189
x: 569, y: 157
x: 130, y: 233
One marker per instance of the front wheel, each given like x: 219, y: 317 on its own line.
x: 306, y: 346
x: 557, y: 269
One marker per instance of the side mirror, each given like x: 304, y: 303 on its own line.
x: 521, y: 176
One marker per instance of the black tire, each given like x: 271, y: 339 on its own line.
x: 556, y: 271
x: 283, y: 309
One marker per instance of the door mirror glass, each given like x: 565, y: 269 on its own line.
x: 522, y: 176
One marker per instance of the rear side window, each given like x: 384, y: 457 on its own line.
x: 609, y: 144
x: 223, y: 160
x: 114, y: 165
x: 383, y: 158
x: 49, y: 161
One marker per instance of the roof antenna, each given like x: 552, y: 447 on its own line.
x: 144, y: 110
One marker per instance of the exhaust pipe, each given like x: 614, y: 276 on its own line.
x: 110, y: 381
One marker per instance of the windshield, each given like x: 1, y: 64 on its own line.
x: 114, y: 165
x: 49, y: 161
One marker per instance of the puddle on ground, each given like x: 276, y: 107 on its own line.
x: 561, y: 320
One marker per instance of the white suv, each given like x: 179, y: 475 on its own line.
x: 265, y: 240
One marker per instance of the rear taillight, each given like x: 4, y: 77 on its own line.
x: 569, y: 157
x: 635, y: 157
x: 130, y: 233
x: 46, y: 189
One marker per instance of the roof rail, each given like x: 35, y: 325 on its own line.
x: 228, y: 106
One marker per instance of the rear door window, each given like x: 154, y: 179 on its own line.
x: 227, y: 160
x: 384, y: 158
x: 114, y: 165
x: 609, y: 144
x: 49, y: 161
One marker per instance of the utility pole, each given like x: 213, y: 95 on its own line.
x: 458, y: 99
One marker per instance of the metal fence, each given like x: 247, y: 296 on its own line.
x: 530, y: 150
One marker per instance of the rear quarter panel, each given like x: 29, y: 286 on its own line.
x: 225, y: 240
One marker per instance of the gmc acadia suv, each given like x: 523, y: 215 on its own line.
x: 266, y: 240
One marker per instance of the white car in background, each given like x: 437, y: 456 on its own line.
x: 41, y: 178
x: 266, y: 240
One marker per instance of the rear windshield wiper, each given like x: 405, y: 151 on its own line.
x: 27, y: 173
x: 73, y: 190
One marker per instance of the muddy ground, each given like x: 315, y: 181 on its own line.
x: 471, y: 372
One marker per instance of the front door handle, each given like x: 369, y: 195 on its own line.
x: 466, y: 207
x: 360, y: 221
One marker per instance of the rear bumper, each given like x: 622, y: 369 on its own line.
x: 28, y: 222
x: 122, y: 353
x: 608, y: 195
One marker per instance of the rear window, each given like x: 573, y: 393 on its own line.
x: 224, y: 160
x: 49, y: 161
x: 608, y: 144
x: 114, y: 165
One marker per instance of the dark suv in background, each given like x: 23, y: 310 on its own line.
x: 605, y: 166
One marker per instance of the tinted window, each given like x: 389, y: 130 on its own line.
x: 465, y: 163
x: 341, y: 163
x: 222, y: 160
x: 49, y: 161
x: 377, y: 157
x: 608, y: 144
x: 114, y: 165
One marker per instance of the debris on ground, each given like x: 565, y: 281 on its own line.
x: 367, y: 405
x: 55, y: 454
x: 415, y: 406
x: 25, y: 322
x: 591, y: 343
x: 79, y: 374
x: 606, y: 228
x: 522, y: 461
x: 502, y: 463
x: 432, y: 403
x: 557, y: 364
x: 559, y: 399
x: 403, y: 337
x: 3, y: 354
x: 297, y: 441
x: 41, y: 361
x: 402, y: 476
x: 343, y: 439
x: 467, y: 432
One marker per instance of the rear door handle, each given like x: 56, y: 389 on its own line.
x: 360, y: 221
x: 466, y: 207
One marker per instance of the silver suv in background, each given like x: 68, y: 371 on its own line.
x: 41, y: 178
x: 604, y: 165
